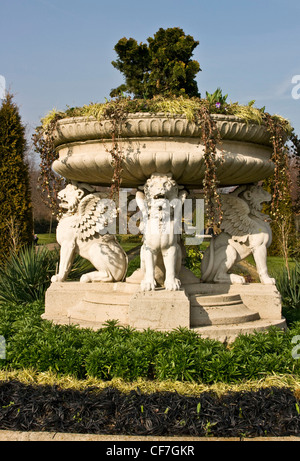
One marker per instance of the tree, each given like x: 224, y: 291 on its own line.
x: 16, y: 226
x: 281, y: 211
x: 163, y: 67
x: 43, y: 219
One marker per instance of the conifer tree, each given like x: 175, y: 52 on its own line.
x: 163, y: 67
x: 16, y: 225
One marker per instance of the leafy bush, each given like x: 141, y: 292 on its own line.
x: 194, y: 255
x: 163, y: 67
x: 27, y: 274
x: 288, y: 285
x: 114, y: 351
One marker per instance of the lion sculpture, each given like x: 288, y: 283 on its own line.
x: 161, y: 251
x: 246, y: 231
x: 81, y: 231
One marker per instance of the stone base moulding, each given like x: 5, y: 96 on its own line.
x: 216, y: 311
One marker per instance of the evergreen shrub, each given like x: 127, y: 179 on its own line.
x: 16, y: 223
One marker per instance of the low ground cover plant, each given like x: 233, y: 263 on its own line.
x: 264, y: 412
x: 121, y: 352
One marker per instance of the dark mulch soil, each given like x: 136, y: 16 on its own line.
x: 267, y: 412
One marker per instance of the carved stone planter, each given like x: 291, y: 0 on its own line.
x: 160, y: 144
x: 161, y: 152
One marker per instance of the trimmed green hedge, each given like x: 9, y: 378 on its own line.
x: 115, y: 351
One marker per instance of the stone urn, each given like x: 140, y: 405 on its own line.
x: 159, y: 143
x: 163, y: 157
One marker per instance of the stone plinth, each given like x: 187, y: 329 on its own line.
x: 159, y: 310
x: 88, y: 304
x: 217, y: 311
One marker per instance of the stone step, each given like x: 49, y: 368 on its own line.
x: 230, y: 332
x: 214, y: 300
x: 215, y: 310
x: 219, y: 310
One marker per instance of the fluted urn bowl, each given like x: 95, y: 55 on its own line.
x: 160, y: 143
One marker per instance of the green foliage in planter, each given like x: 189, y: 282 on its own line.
x: 174, y: 105
x: 16, y: 224
x: 163, y: 67
x: 216, y: 99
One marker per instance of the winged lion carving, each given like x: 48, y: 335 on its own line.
x: 82, y: 229
x: 246, y: 230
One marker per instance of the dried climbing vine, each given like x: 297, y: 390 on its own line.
x: 280, y: 185
x: 210, y: 139
x: 49, y: 182
x: 117, y: 114
x: 281, y: 181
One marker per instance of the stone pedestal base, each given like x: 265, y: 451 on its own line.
x: 217, y: 311
x: 159, y: 310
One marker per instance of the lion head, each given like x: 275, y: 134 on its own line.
x: 160, y: 186
x: 71, y: 195
x: 254, y: 195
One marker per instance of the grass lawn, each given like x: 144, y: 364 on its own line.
x: 128, y: 242
x: 45, y: 239
x: 275, y: 264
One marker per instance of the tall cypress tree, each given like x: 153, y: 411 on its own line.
x: 16, y: 226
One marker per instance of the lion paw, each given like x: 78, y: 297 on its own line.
x: 56, y: 278
x: 268, y: 281
x: 234, y: 278
x: 148, y: 285
x: 85, y: 278
x: 173, y: 284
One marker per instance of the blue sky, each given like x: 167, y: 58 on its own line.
x: 55, y: 53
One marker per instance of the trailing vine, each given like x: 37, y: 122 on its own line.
x: 296, y: 154
x: 280, y: 185
x: 117, y: 114
x: 49, y: 182
x: 281, y: 182
x: 210, y: 138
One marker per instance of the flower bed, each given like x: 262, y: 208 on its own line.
x: 266, y: 412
